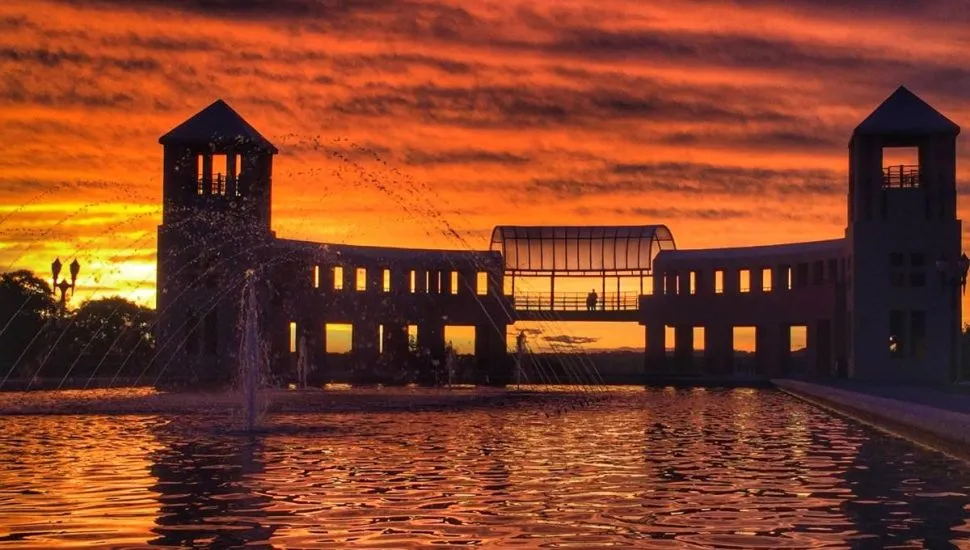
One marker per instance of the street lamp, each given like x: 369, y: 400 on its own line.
x: 953, y: 274
x: 64, y: 286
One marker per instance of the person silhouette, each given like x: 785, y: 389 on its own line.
x: 593, y: 298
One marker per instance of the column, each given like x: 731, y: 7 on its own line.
x: 718, y: 349
x: 311, y: 331
x: 431, y: 345
x: 655, y: 352
x: 784, y: 349
x: 493, y: 363
x: 767, y: 354
x: 683, y: 348
x: 396, y: 350
x: 365, y: 343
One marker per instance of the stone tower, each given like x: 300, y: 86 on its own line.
x: 215, y: 225
x: 903, y: 239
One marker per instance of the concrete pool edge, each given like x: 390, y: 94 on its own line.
x: 942, y: 430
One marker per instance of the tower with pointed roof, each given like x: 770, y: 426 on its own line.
x: 903, y: 244
x: 216, y: 189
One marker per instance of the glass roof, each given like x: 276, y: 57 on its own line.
x: 579, y: 250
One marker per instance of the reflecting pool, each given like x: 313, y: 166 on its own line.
x: 640, y: 469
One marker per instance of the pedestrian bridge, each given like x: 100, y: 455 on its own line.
x: 546, y: 265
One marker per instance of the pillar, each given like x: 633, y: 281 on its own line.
x: 350, y: 278
x: 431, y: 345
x: 784, y: 349
x: 718, y: 349
x: 493, y: 364
x: 655, y: 353
x: 396, y: 350
x: 767, y: 353
x: 365, y: 343
x: 313, y: 332
x: 683, y: 348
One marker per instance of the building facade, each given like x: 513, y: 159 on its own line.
x: 881, y: 303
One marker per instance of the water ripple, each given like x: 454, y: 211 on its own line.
x: 644, y: 469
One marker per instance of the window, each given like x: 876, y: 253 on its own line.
x: 454, y: 282
x: 338, y: 277
x: 896, y: 332
x: 719, y: 281
x: 744, y: 278
x: 361, y: 282
x: 900, y: 167
x: 693, y: 282
x: 387, y: 280
x: 788, y: 277
x: 481, y: 283
x: 220, y: 165
x: 896, y: 259
x: 766, y: 279
x: 818, y: 272
x: 414, y: 281
x: 316, y: 276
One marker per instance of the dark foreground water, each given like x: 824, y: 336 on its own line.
x: 642, y: 469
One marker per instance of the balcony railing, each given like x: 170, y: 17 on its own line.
x: 903, y: 175
x: 576, y: 301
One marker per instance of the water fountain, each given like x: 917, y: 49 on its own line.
x: 251, y: 352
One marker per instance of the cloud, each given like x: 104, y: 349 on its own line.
x: 569, y: 340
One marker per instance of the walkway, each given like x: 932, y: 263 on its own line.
x: 936, y: 417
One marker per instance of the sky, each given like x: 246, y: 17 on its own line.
x: 726, y: 121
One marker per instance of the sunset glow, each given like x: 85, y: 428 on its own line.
x: 398, y: 122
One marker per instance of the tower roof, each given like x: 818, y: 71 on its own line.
x: 219, y: 124
x: 905, y: 114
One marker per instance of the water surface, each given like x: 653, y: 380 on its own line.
x: 642, y: 469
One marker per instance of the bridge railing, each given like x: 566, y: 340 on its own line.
x: 576, y: 301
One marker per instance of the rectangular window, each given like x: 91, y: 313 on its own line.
x: 897, y: 330
x: 818, y: 272
x: 766, y: 279
x: 693, y: 282
x: 454, y: 282
x: 647, y: 286
x: 338, y: 277
x: 676, y: 284
x: 788, y: 277
x: 798, y: 338
x: 316, y: 276
x: 917, y: 330
x: 361, y: 282
x: 292, y: 337
x: 220, y: 169
x: 414, y: 281
x: 387, y: 280
x: 719, y: 281
x: 699, y: 341
x: 744, y: 280
x: 481, y: 283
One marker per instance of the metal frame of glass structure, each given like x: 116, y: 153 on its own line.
x: 581, y: 251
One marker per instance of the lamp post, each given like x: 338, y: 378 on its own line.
x: 64, y: 286
x: 953, y: 278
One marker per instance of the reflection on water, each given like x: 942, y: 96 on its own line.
x: 712, y: 469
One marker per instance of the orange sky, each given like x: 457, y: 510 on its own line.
x: 727, y: 123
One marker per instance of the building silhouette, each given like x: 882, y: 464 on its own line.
x: 880, y: 304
